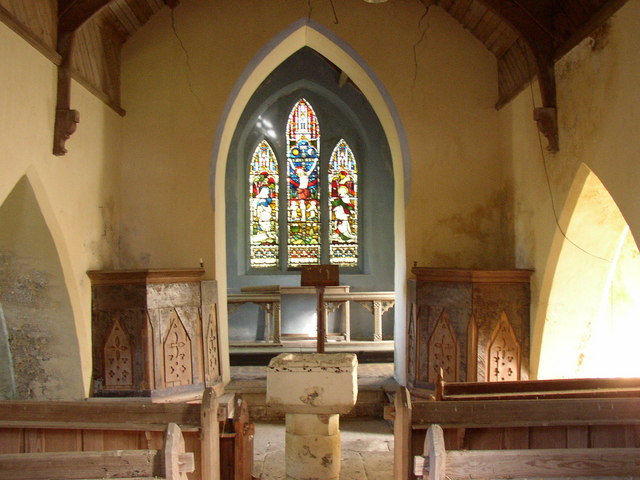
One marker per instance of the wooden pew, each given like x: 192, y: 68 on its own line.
x: 172, y: 463
x: 236, y: 443
x: 564, y: 416
x: 440, y: 464
x: 538, y: 389
x: 99, y: 425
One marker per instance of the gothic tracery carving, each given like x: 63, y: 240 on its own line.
x: 118, y: 358
x: 213, y: 364
x: 443, y: 351
x: 503, y: 352
x: 177, y: 354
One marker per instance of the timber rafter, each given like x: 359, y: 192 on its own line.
x: 541, y: 40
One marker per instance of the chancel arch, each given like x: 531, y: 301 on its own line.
x: 591, y: 322
x: 305, y: 33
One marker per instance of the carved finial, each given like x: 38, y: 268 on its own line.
x: 66, y: 123
x: 547, y: 120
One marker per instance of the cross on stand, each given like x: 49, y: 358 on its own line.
x: 320, y: 276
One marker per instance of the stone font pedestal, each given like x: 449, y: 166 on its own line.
x: 312, y: 390
x: 312, y: 444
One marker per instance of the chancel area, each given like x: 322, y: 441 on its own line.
x: 458, y: 177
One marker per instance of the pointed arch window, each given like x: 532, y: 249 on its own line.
x: 343, y: 204
x: 304, y: 239
x: 263, y: 207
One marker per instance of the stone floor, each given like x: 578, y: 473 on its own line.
x: 367, y: 450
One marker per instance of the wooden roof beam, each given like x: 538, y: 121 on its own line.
x: 540, y: 40
x: 72, y: 14
x: 599, y: 17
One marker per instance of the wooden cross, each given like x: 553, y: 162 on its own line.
x: 320, y: 276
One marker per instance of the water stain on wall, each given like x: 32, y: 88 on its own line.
x: 482, y: 237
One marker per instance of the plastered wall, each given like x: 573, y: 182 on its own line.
x: 181, y: 69
x: 173, y: 113
x: 599, y: 126
x: 77, y: 195
x: 136, y: 191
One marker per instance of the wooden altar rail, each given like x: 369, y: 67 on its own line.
x: 99, y: 425
x: 172, y: 463
x: 547, y: 422
x: 375, y: 302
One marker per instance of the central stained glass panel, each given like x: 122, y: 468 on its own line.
x: 303, y: 192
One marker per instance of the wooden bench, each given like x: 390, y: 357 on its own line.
x: 99, y: 426
x: 591, y: 425
x: 172, y: 463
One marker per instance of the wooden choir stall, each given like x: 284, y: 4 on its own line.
x: 471, y: 324
x: 156, y: 368
x: 470, y: 410
x: 528, y: 429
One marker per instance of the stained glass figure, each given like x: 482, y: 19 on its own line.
x: 343, y: 206
x: 303, y: 196
x: 263, y: 207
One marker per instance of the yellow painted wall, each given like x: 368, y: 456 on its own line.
x: 77, y: 193
x: 599, y: 123
x: 180, y: 70
x: 175, y: 99
x: 135, y: 191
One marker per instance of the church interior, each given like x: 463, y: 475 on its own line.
x: 425, y: 210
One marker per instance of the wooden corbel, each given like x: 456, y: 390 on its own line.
x: 66, y: 119
x: 547, y: 120
x: 72, y: 14
x: 547, y: 116
x: 541, y: 41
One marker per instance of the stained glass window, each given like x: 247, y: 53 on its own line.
x: 343, y: 206
x: 303, y: 193
x: 263, y: 206
x: 302, y: 205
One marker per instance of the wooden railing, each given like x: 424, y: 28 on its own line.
x: 377, y: 303
x: 541, y: 428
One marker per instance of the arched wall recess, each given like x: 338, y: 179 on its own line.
x: 300, y: 34
x: 39, y: 317
x: 588, y: 307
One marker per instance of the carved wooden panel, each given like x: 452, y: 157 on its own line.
x: 118, y: 365
x: 166, y: 316
x: 474, y: 301
x: 177, y: 354
x: 472, y: 350
x: 411, y: 336
x: 503, y: 352
x: 443, y: 351
x: 211, y: 347
x: 148, y: 341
